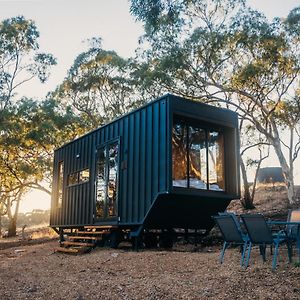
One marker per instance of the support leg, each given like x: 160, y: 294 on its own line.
x: 290, y: 250
x: 275, y: 257
x: 243, y: 253
x: 223, y: 252
x: 61, y: 235
x: 248, y: 255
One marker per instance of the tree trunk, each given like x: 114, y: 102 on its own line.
x: 12, y: 227
x: 247, y: 200
x: 286, y: 171
x: 0, y: 224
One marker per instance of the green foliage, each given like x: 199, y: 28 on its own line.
x: 292, y: 22
x: 98, y: 86
x: 157, y: 13
x: 19, y: 57
x: 227, y: 54
x: 25, y: 127
x: 18, y: 32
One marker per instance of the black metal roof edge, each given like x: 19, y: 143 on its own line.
x: 168, y: 95
x: 202, y: 103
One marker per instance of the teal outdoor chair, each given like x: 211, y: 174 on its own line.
x: 231, y: 233
x: 293, y: 231
x: 260, y: 234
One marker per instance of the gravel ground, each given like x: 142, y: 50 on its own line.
x: 36, y: 272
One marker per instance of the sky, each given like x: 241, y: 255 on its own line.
x: 64, y: 25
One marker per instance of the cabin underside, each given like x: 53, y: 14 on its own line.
x: 170, y: 216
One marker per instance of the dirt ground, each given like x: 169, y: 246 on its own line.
x: 30, y: 269
x: 185, y: 272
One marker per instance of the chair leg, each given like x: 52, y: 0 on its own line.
x: 262, y: 250
x: 275, y: 256
x: 223, y: 252
x: 298, y: 246
x: 248, y: 255
x: 243, y: 253
x: 290, y: 250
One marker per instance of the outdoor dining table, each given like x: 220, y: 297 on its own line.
x: 286, y: 223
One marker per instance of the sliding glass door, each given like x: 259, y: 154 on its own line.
x: 107, y: 176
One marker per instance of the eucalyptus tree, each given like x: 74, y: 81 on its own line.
x: 225, y: 53
x: 98, y: 85
x: 28, y: 137
x: 20, y: 62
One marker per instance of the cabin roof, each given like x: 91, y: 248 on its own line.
x: 168, y: 95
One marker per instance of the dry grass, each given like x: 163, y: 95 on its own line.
x: 270, y: 199
x: 43, y: 233
x: 32, y: 235
x: 36, y: 272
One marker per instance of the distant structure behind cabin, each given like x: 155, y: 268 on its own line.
x: 270, y: 175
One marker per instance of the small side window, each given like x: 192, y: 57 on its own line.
x: 73, y: 178
x: 79, y: 177
x: 84, y: 175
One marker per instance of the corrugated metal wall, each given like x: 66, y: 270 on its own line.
x: 77, y: 199
x: 144, y: 150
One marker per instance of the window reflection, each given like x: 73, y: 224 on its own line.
x: 107, y: 181
x: 101, y: 184
x: 112, y: 183
x: 198, y: 157
x: 216, y: 160
x: 60, y: 183
x: 73, y: 178
x: 79, y: 177
x: 179, y: 140
x: 84, y: 175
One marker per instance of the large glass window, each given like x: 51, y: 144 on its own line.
x: 101, y: 183
x: 179, y: 140
x: 216, y: 160
x: 112, y: 179
x: 198, y: 157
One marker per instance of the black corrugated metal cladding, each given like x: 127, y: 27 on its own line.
x: 143, y: 139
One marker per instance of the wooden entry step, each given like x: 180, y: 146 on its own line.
x: 84, y: 239
x: 73, y: 250
x: 66, y: 250
x: 81, y: 237
x: 70, y: 243
x: 93, y: 232
x: 100, y: 226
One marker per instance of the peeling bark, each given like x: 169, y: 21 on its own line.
x: 247, y: 200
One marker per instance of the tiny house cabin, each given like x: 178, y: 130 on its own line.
x: 172, y: 163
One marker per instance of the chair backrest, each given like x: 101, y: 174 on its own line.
x: 228, y: 228
x: 234, y: 216
x: 293, y: 216
x: 257, y: 228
